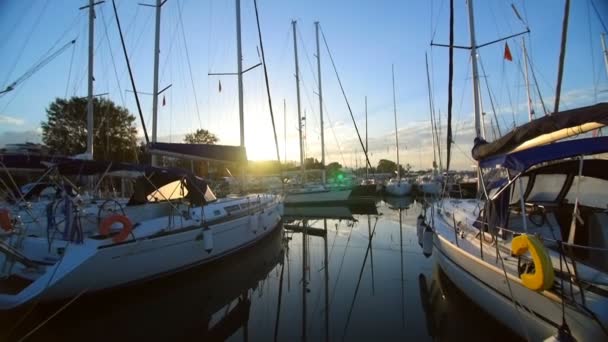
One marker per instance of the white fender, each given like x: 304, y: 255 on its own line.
x: 420, y: 228
x: 427, y: 242
x: 207, y: 239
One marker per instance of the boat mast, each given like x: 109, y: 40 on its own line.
x: 395, y: 113
x: 295, y: 52
x: 239, y: 63
x: 366, y: 147
x: 605, y: 51
x: 285, y: 129
x: 320, y: 102
x: 155, y: 85
x: 562, y: 56
x: 530, y: 109
x: 90, y: 124
x: 479, y: 130
x: 428, y: 82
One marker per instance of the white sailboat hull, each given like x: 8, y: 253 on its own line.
x: 325, y: 196
x: 399, y: 189
x: 538, y: 314
x: 101, y: 264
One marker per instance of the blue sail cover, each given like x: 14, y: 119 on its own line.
x: 573, y: 118
x: 224, y: 153
x: 522, y: 160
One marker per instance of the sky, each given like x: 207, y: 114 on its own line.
x: 365, y: 39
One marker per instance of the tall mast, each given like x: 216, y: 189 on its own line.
x: 320, y: 102
x: 395, y: 113
x: 366, y: 147
x: 90, y: 125
x: 155, y: 85
x: 478, y: 121
x: 562, y: 56
x: 239, y: 63
x: 285, y: 129
x: 295, y: 53
x: 428, y: 82
x: 605, y: 51
x: 530, y: 109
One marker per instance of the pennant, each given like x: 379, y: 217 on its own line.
x: 164, y: 102
x: 508, y: 53
x: 219, y: 87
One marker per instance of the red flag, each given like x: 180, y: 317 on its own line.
x: 508, y: 53
x: 164, y: 102
x: 219, y: 87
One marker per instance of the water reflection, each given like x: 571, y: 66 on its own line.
x: 452, y: 316
x: 208, y: 303
x: 338, y: 273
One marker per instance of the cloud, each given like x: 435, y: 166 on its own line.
x: 10, y: 120
x: 17, y: 137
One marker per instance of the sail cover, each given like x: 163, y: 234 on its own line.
x: 523, y: 160
x: 223, y: 153
x: 540, y: 131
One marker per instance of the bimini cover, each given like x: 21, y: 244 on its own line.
x: 576, y: 120
x: 150, y: 179
x: 223, y: 153
x: 522, y: 160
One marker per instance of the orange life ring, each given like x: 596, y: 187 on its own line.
x: 5, y: 220
x: 106, y: 224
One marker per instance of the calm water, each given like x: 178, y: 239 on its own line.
x: 315, y: 279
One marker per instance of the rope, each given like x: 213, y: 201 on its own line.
x: 52, y: 316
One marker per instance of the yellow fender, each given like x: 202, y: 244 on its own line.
x: 543, y: 276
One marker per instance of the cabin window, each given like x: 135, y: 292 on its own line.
x: 515, y: 188
x: 546, y: 187
x: 592, y: 192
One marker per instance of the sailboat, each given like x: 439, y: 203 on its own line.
x: 170, y: 223
x: 312, y: 194
x: 397, y: 186
x: 533, y: 254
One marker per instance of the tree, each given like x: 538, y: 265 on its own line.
x: 386, y: 166
x: 312, y: 164
x: 201, y: 136
x: 332, y: 169
x: 115, y: 135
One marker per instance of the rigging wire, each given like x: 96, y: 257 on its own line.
x: 483, y: 70
x: 599, y: 17
x: 189, y: 64
x: 25, y: 43
x: 345, y: 98
x: 592, y: 55
x: 124, y: 49
x: 274, y: 129
x: 67, y: 85
x: 103, y: 19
